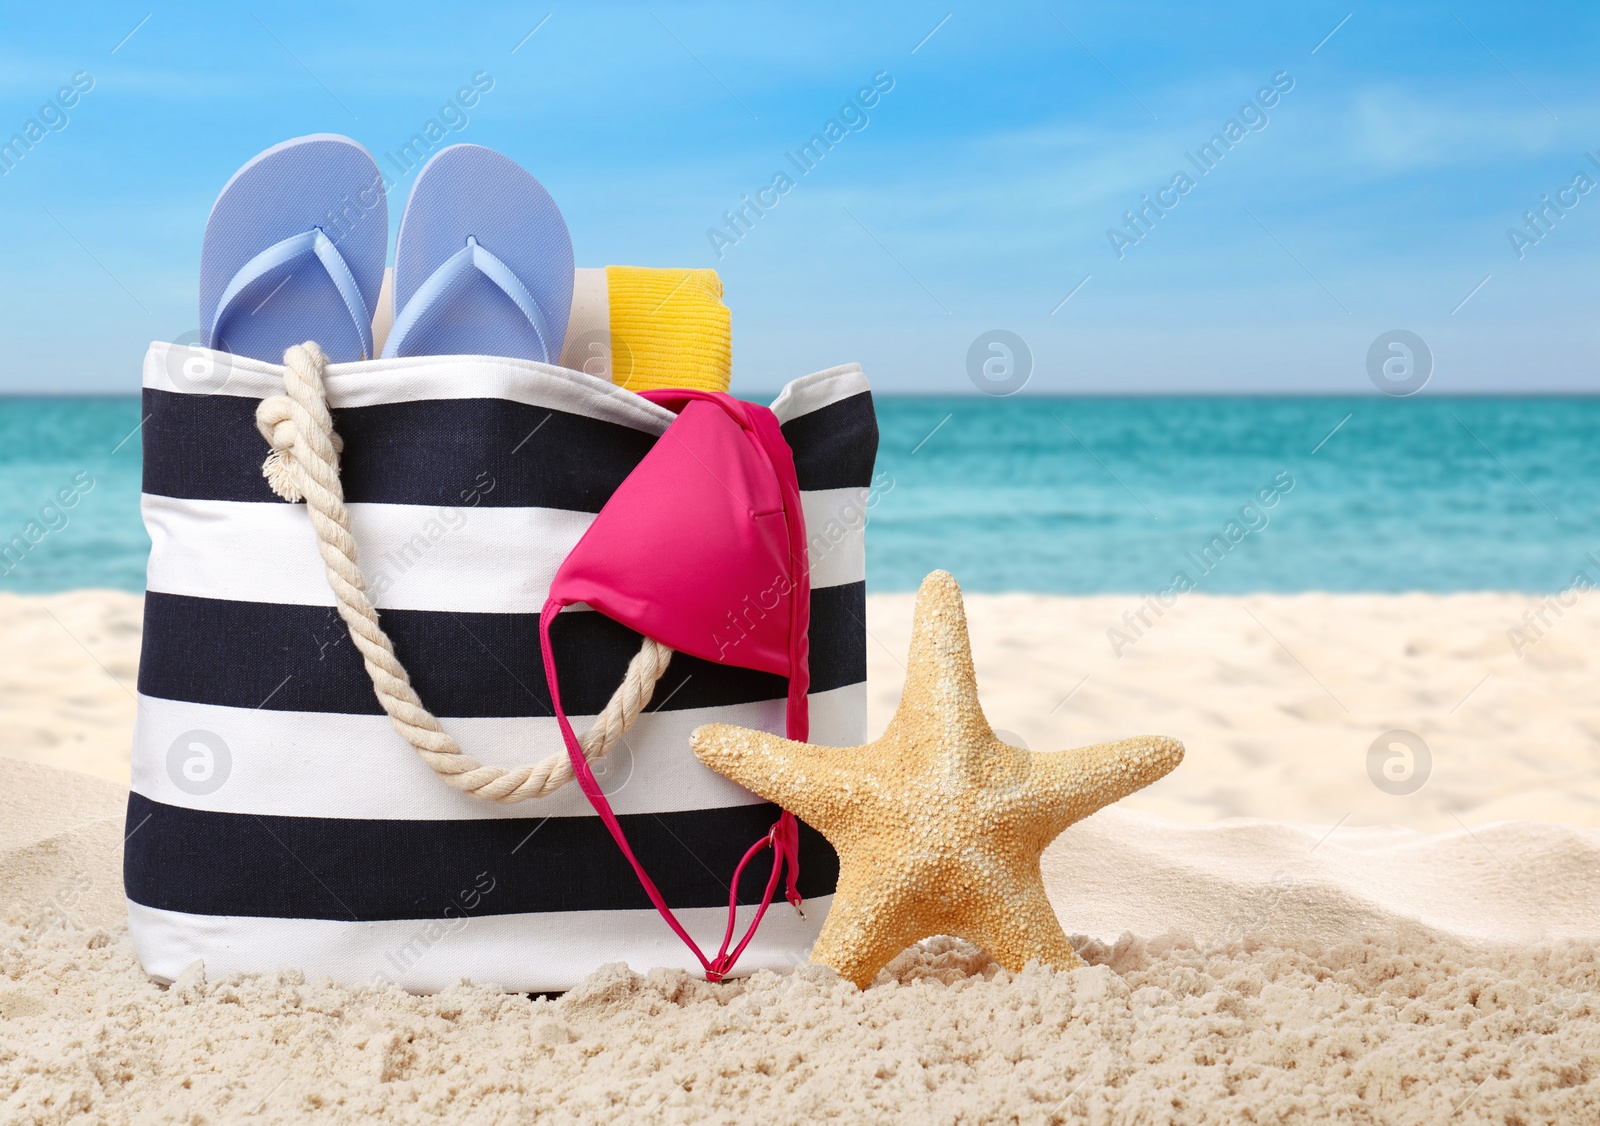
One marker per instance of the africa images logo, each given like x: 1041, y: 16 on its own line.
x: 1251, y: 118
x: 851, y: 118
x: 51, y: 118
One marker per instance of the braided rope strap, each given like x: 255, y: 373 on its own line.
x: 304, y: 465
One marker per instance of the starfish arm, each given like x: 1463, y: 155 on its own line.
x: 817, y: 784
x: 876, y: 913
x: 1018, y: 927
x: 1067, y: 786
x: 941, y: 687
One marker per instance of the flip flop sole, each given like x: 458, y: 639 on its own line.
x: 322, y: 181
x: 467, y: 191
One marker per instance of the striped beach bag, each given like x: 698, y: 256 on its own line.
x: 279, y: 819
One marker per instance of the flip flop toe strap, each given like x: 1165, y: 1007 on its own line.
x: 472, y: 256
x: 282, y: 253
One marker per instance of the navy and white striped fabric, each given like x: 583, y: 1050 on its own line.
x: 277, y: 819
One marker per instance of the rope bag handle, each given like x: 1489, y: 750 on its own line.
x: 304, y: 465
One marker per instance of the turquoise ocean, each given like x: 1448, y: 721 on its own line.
x: 1057, y: 495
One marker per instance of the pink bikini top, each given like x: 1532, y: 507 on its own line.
x: 703, y: 548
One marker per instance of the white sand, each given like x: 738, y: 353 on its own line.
x: 1301, y: 990
x: 68, y: 669
x: 1303, y: 968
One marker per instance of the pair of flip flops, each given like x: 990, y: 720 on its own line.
x: 295, y: 247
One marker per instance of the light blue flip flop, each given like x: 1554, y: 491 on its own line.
x: 483, y: 262
x: 294, y: 251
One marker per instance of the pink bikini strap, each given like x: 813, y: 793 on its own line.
x: 784, y: 836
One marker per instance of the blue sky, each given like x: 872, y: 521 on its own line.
x: 1377, y: 195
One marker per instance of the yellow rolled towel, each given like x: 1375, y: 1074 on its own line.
x: 669, y: 328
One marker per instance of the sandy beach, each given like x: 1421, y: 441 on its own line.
x: 1268, y: 930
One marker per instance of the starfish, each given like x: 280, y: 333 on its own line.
x: 939, y: 824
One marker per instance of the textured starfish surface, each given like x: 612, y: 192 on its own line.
x: 938, y: 825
